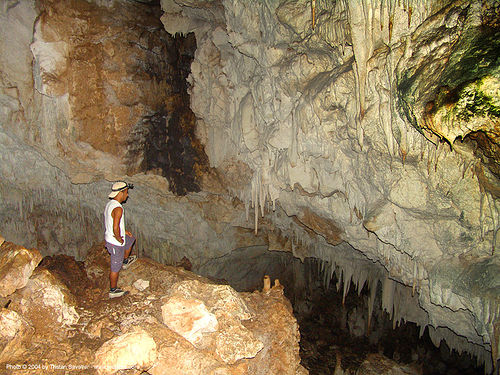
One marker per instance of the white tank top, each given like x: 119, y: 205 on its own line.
x: 109, y: 236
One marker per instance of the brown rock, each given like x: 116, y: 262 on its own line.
x: 274, y: 325
x: 96, y: 328
x: 235, y: 342
x: 97, y: 265
x: 46, y: 302
x: 321, y: 225
x: 14, y: 332
x: 178, y: 357
x: 16, y: 266
x: 219, y: 299
x: 135, y: 349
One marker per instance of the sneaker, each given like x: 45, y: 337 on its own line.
x: 116, y: 292
x: 128, y: 261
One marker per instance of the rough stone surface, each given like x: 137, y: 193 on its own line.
x: 236, y: 342
x: 15, y: 333
x: 356, y: 141
x: 189, y: 318
x: 141, y: 284
x: 366, y: 137
x: 135, y: 349
x: 16, y: 266
x: 46, y: 302
x: 233, y: 341
x: 110, y: 336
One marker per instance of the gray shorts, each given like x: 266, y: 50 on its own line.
x: 117, y: 252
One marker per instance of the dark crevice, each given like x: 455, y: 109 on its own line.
x: 165, y: 142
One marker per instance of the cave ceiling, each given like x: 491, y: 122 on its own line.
x: 365, y: 134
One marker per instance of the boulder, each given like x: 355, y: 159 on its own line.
x: 178, y: 357
x: 16, y: 266
x: 135, y: 349
x: 233, y: 341
x: 46, y: 302
x: 189, y: 318
x: 236, y: 342
x: 14, y: 332
x: 219, y: 299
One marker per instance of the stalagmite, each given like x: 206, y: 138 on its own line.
x: 414, y: 277
x: 267, y: 284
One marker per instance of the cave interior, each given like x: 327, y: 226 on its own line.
x: 348, y: 149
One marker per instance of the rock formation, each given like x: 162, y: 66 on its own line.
x: 364, y: 134
x: 63, y: 320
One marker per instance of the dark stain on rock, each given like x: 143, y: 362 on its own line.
x: 166, y: 139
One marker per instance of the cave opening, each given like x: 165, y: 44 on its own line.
x: 336, y: 334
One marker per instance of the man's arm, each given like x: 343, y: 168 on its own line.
x: 116, y: 214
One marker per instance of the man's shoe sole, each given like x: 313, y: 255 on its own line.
x: 125, y: 266
x: 116, y: 295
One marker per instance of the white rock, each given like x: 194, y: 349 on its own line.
x: 14, y: 332
x: 44, y: 294
x: 11, y: 323
x: 141, y: 284
x: 189, y: 318
x: 16, y: 266
x: 135, y: 349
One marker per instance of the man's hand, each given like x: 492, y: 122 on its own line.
x: 128, y: 233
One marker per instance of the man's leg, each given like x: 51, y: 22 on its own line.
x: 128, y: 259
x: 113, y: 279
x: 129, y: 244
x: 116, y: 253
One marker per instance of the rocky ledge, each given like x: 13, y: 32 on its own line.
x: 58, y: 319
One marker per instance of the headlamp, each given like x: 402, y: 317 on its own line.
x: 126, y: 185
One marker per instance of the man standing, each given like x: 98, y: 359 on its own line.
x: 119, y: 242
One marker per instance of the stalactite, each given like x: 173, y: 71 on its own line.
x: 481, y: 211
x: 313, y: 13
x: 371, y: 299
x: 388, y: 287
x: 492, y: 204
x: 347, y: 282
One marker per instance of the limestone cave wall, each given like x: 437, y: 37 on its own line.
x: 360, y: 133
x: 361, y: 121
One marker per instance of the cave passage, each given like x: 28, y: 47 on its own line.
x: 333, y: 332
